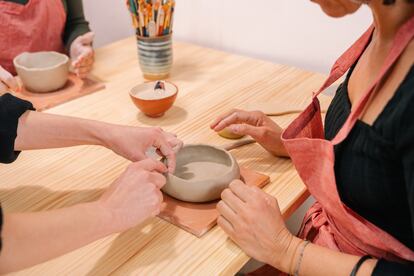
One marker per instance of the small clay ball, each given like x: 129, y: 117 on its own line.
x: 228, y: 134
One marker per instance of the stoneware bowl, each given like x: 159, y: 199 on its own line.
x: 152, y: 104
x: 202, y: 173
x: 155, y: 55
x: 42, y: 72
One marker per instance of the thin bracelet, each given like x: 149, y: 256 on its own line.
x: 293, y: 258
x: 359, y: 264
x: 300, y: 258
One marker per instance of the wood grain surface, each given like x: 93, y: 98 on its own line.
x: 210, y: 82
x: 73, y: 89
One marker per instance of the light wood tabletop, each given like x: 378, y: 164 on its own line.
x: 210, y: 82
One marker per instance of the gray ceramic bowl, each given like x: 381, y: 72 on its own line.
x: 42, y: 71
x: 202, y: 173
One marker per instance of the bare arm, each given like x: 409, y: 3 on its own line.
x: 318, y: 260
x: 32, y: 238
x: 41, y: 131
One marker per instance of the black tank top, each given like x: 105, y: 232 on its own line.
x: 374, y: 166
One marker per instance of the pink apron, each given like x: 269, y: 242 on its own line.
x: 329, y: 222
x: 37, y: 26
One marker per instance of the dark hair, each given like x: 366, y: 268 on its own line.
x: 390, y: 2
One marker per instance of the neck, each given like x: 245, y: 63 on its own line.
x: 388, y: 19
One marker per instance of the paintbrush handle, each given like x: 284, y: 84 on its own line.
x: 235, y: 145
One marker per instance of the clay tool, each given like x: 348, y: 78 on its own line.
x: 277, y: 108
x: 238, y: 144
x: 171, y: 20
x: 4, y: 87
x: 152, y: 29
x: 146, y: 13
x: 160, y: 20
x: 141, y: 24
x: 167, y: 20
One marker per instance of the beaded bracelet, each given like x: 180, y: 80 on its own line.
x: 293, y: 258
x: 300, y: 258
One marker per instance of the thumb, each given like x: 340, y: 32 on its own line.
x: 87, y: 39
x: 7, y: 80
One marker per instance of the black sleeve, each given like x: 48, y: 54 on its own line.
x: 76, y: 24
x: 11, y: 108
x: 1, y: 226
x: 386, y: 268
x: 405, y: 147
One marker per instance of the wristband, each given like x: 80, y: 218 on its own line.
x: 358, y: 264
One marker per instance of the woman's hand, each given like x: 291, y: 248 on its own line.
x: 82, y: 54
x: 256, y: 124
x: 133, y: 143
x: 7, y: 81
x: 253, y: 220
x: 135, y: 196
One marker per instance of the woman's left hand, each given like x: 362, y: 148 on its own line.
x: 253, y: 220
x: 82, y: 54
x: 134, y: 142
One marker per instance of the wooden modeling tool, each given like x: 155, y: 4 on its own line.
x: 152, y: 29
x: 277, y: 108
x: 238, y: 144
x: 146, y: 13
x: 160, y: 20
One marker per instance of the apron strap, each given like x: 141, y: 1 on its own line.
x: 347, y: 59
x: 403, y: 37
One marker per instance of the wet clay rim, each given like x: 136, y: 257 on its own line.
x: 63, y: 62
x: 232, y: 159
x: 155, y: 100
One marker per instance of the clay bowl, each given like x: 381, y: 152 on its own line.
x: 202, y: 173
x: 152, y: 105
x: 42, y: 72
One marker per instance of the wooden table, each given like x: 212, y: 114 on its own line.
x: 210, y: 82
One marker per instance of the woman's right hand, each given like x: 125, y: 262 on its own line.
x: 7, y: 81
x: 135, y: 196
x: 256, y: 124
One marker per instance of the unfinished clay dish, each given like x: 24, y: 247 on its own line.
x: 228, y: 134
x: 42, y: 72
x: 202, y: 173
x: 154, y: 103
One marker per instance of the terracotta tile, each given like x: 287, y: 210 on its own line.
x: 74, y: 88
x: 199, y: 218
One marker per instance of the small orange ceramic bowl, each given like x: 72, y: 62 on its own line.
x: 152, y: 103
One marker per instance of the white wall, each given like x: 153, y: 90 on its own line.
x: 292, y: 32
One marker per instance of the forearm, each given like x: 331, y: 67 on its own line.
x: 32, y: 238
x: 76, y: 24
x: 40, y: 131
x: 318, y: 260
